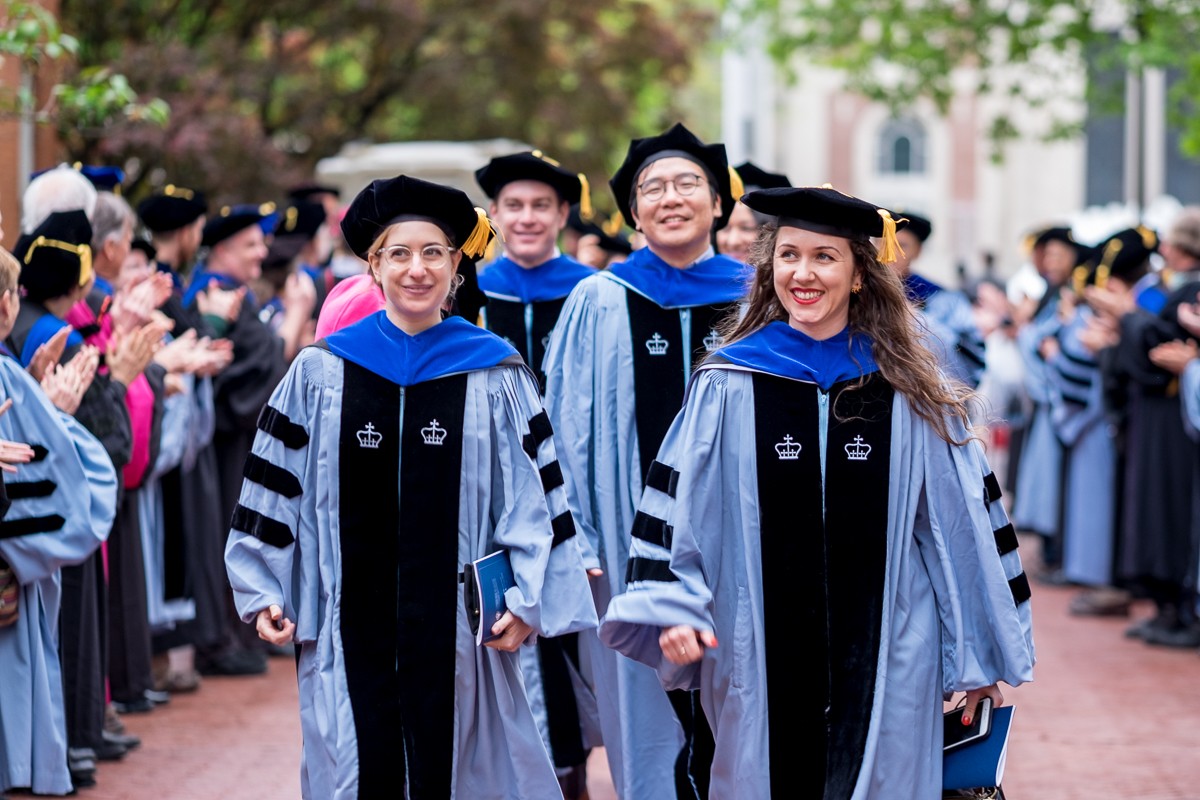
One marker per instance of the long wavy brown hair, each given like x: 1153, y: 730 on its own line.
x: 881, y: 312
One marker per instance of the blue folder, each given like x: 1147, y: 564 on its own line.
x: 981, y: 763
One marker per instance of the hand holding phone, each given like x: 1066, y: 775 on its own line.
x: 955, y: 734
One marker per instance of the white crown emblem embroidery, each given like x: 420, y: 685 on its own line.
x: 657, y: 345
x: 788, y: 450
x: 712, y: 341
x: 369, y: 438
x: 858, y: 451
x: 433, y: 434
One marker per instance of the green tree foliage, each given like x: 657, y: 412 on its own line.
x: 83, y: 109
x: 261, y: 90
x: 896, y: 51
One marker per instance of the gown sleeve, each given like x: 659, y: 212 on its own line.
x: 534, y: 522
x: 678, y: 531
x: 1189, y: 389
x: 954, y: 323
x: 65, y: 500
x: 570, y: 371
x: 970, y: 552
x: 261, y: 555
x: 241, y: 388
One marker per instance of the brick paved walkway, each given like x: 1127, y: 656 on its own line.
x: 1107, y: 719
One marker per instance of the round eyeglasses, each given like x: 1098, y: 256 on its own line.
x: 432, y: 256
x: 685, y: 185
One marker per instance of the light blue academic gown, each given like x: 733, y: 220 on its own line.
x: 1189, y: 390
x: 75, y: 480
x: 187, y: 426
x: 1077, y: 412
x: 591, y: 400
x: 949, y: 619
x: 954, y: 336
x: 1039, y: 475
x: 497, y: 749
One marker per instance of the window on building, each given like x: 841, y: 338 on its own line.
x: 902, y: 147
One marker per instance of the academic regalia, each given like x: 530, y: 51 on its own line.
x: 128, y: 668
x: 524, y: 304
x: 1081, y: 424
x: 785, y: 512
x: 192, y: 526
x: 176, y: 430
x: 441, y: 437
x: 1189, y: 390
x: 523, y: 308
x: 616, y: 369
x: 1037, y: 506
x: 63, y: 503
x: 1156, y: 547
x: 83, y: 607
x: 951, y: 322
x: 239, y: 393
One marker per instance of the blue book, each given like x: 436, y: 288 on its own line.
x: 980, y: 764
x: 485, y: 582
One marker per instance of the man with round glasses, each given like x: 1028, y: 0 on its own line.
x: 526, y: 287
x: 616, y: 371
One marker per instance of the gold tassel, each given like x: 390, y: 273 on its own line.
x: 476, y: 243
x: 890, y: 250
x: 291, y: 218
x: 1079, y: 279
x: 614, y: 224
x: 736, y: 187
x: 1149, y: 238
x: 1110, y: 254
x: 1102, y: 273
x: 585, y: 198
x: 85, y: 264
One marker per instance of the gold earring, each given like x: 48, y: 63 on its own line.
x: 856, y: 288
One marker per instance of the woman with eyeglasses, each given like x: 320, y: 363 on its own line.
x: 394, y: 452
x: 616, y: 369
x: 832, y: 557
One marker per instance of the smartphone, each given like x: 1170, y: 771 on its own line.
x: 955, y: 734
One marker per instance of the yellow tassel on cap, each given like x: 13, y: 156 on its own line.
x: 890, y: 250
x: 291, y: 218
x: 614, y: 224
x: 1149, y: 238
x: 477, y: 242
x: 736, y: 187
x: 85, y: 264
x: 1079, y: 279
x: 585, y: 198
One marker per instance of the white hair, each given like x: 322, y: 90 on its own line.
x: 111, y: 217
x: 59, y: 189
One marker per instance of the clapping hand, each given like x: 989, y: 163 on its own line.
x: 12, y: 453
x: 134, y: 305
x: 218, y: 302
x: 48, y: 354
x: 1174, y: 356
x: 1189, y: 317
x: 65, y: 385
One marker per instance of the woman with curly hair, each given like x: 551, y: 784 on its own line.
x: 820, y: 494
